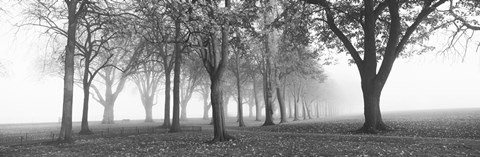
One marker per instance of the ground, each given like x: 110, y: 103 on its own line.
x: 419, y: 133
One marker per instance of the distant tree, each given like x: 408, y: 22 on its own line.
x: 205, y: 92
x: 193, y: 74
x: 147, y: 79
x: 124, y: 63
x: 157, y: 28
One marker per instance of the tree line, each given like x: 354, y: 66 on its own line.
x: 273, y: 49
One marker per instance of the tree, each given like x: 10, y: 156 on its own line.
x: 267, y: 63
x: 192, y: 76
x: 123, y: 64
x: 92, y: 42
x: 215, y: 62
x: 157, y: 29
x: 205, y: 92
x: 238, y: 47
x: 378, y: 30
x: 73, y: 16
x: 147, y: 79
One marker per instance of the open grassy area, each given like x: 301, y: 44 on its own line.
x: 419, y: 133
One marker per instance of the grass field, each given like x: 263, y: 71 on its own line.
x: 419, y: 133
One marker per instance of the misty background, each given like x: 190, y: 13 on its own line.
x: 433, y: 80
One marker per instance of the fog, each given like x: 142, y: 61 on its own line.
x: 428, y: 81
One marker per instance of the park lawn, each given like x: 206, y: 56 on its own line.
x: 438, y: 133
x: 251, y: 143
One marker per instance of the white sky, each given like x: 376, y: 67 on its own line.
x: 420, y: 82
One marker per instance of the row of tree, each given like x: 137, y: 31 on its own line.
x: 278, y: 41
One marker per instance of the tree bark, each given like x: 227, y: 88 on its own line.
x: 206, y: 106
x: 176, y: 81
x: 373, y: 118
x: 148, y: 109
x: 304, y: 110
x: 108, y: 117
x: 281, y: 102
x: 66, y: 127
x: 258, y: 109
x: 86, y: 95
x: 166, y: 119
x: 183, y: 114
x: 239, y: 92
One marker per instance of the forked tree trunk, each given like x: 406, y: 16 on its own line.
x: 373, y: 118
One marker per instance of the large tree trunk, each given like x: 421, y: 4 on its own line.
x: 176, y: 81
x: 373, y: 118
x: 108, y: 117
x: 268, y: 98
x: 66, y: 127
x: 148, y: 108
x: 218, y: 118
x: 86, y: 93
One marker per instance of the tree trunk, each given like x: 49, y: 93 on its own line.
x: 108, y: 117
x: 86, y: 93
x: 66, y: 127
x: 295, y: 108
x: 166, y: 119
x: 183, y: 114
x: 148, y: 109
x: 281, y: 103
x: 373, y: 118
x: 290, y: 109
x: 239, y: 93
x: 258, y: 112
x: 206, y: 106
x: 218, y: 118
x: 308, y: 107
x: 250, y: 111
x: 268, y: 99
x: 304, y: 110
x: 176, y: 81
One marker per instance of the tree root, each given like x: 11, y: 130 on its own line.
x: 225, y: 137
x: 85, y: 132
x: 267, y: 123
